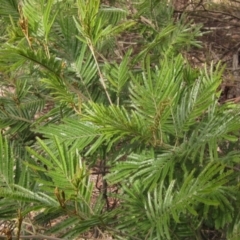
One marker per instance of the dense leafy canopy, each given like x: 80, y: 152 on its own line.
x: 88, y: 86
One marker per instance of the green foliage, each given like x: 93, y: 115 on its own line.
x: 161, y: 210
x: 13, y: 174
x: 9, y: 9
x: 106, y: 129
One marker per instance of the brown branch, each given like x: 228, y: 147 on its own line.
x: 40, y: 236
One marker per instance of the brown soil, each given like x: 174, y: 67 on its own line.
x: 221, y: 40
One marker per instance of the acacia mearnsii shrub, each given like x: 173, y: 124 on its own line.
x: 106, y: 129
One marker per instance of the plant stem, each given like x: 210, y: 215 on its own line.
x: 90, y: 45
x: 33, y: 237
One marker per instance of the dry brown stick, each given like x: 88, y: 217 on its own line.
x: 33, y: 236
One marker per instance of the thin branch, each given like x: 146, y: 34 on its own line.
x: 39, y: 236
x: 99, y: 70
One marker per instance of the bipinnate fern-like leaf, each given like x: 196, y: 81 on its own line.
x: 39, y: 17
x: 12, y: 174
x: 9, y: 8
x: 11, y: 165
x: 147, y: 165
x: 18, y: 56
x: 197, y: 98
x: 76, y: 134
x: 117, y: 122
x: 7, y: 163
x: 19, y: 107
x: 155, y: 92
x: 118, y: 76
x: 167, y: 203
x: 69, y: 185
x: 85, y: 67
x: 22, y: 194
x: 111, y: 15
x: 91, y: 23
x: 60, y: 92
x: 63, y: 188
